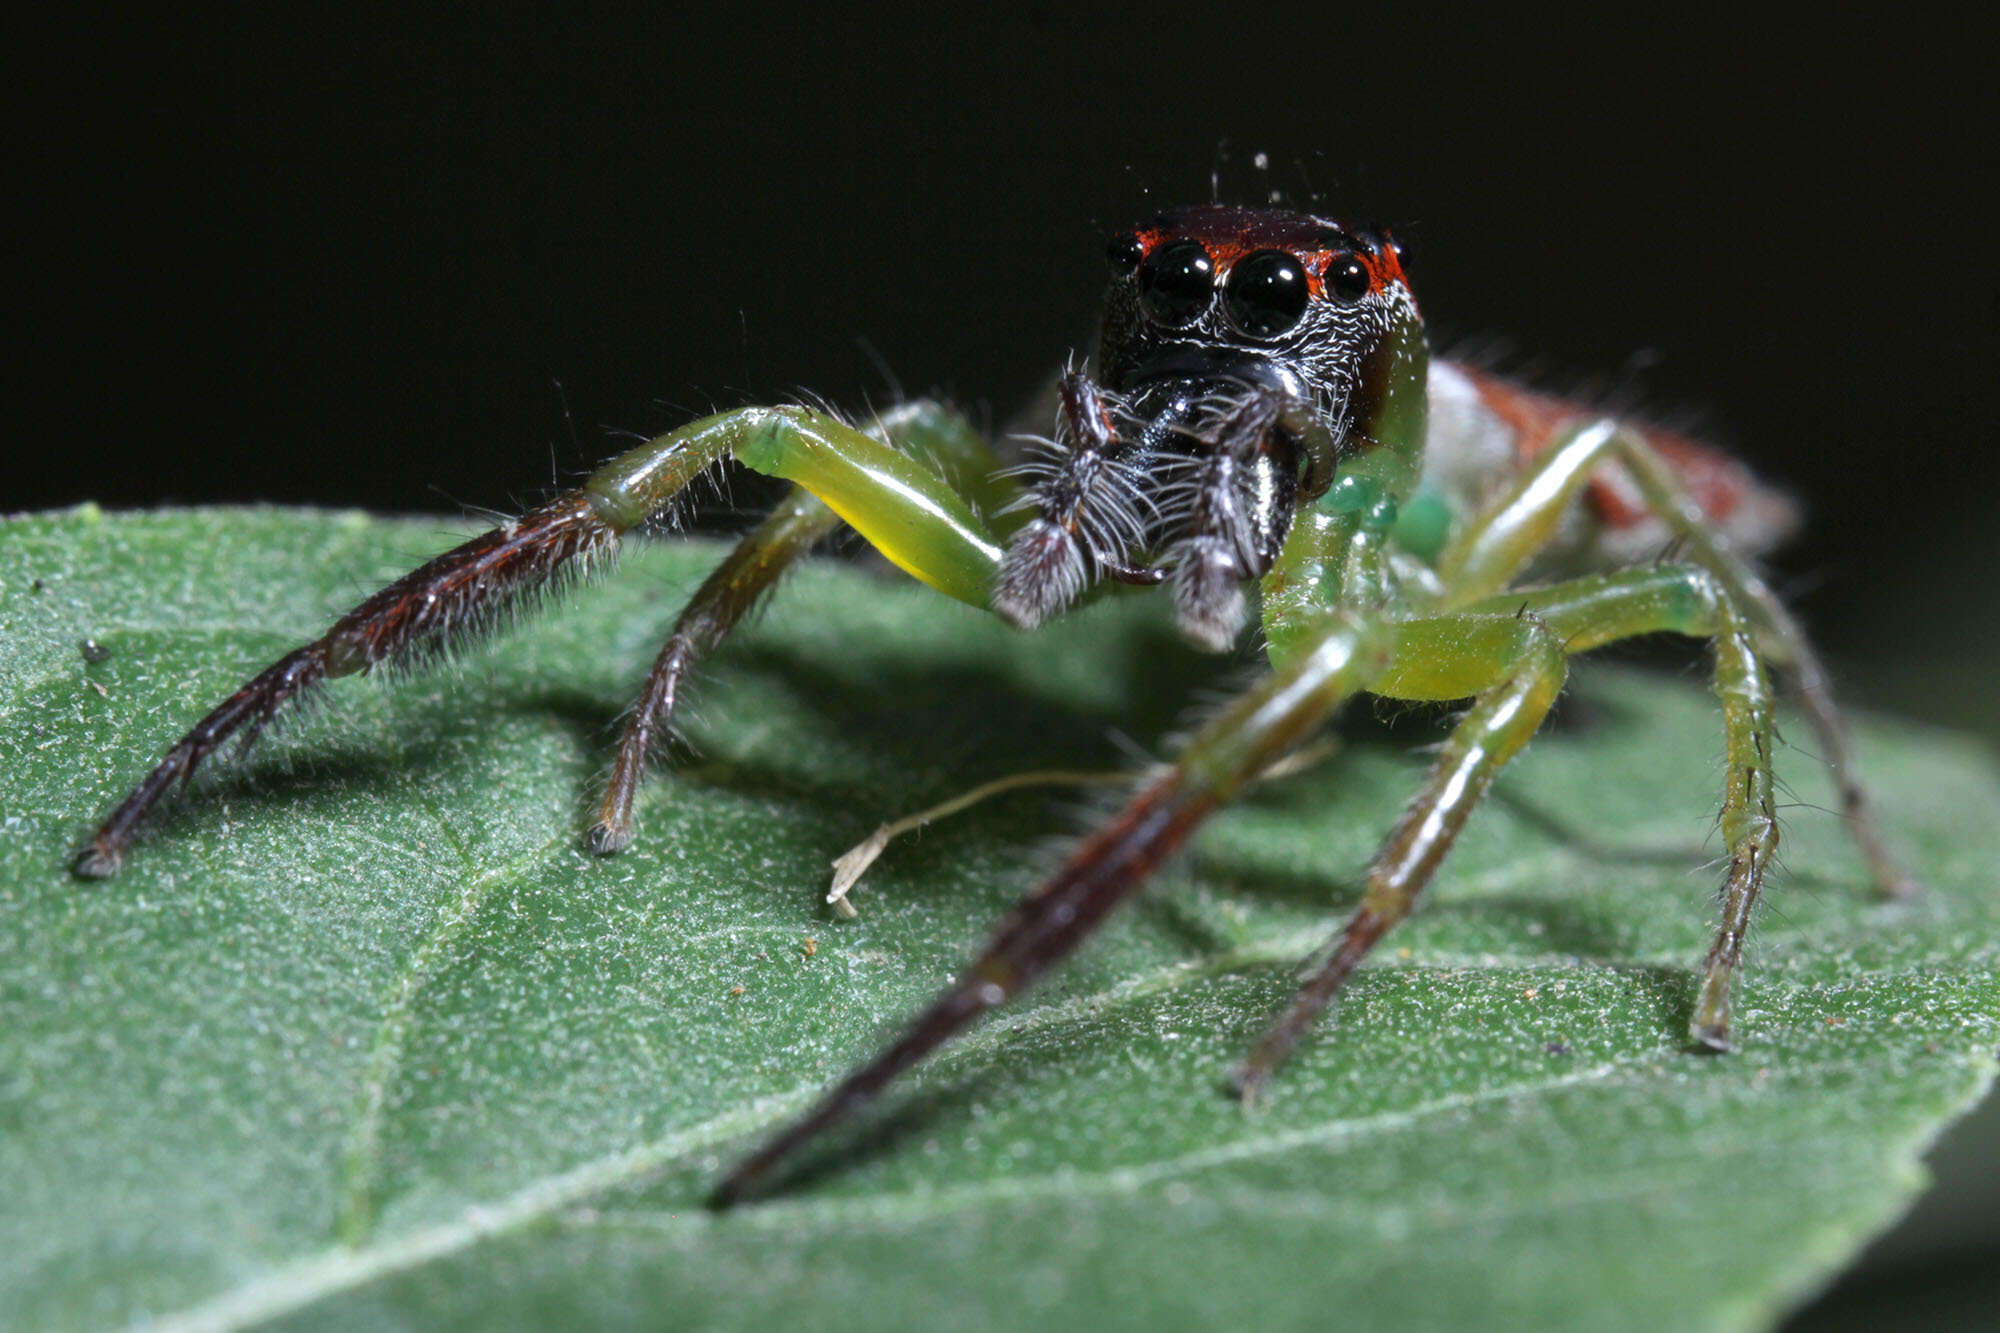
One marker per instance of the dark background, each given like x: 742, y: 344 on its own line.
x: 351, y: 265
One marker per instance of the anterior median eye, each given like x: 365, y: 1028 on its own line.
x: 1177, y: 282
x: 1267, y: 293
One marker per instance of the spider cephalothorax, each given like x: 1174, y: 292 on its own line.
x: 1240, y: 353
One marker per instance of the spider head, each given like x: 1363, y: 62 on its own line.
x: 1310, y: 308
x: 1247, y: 356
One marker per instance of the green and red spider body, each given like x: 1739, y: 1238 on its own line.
x: 1261, y: 415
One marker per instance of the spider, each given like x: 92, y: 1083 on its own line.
x: 1261, y: 410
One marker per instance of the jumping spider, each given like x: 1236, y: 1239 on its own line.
x: 1262, y: 409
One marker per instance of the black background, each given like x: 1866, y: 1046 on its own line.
x: 348, y: 264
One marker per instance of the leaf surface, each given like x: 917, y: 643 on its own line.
x: 361, y: 1038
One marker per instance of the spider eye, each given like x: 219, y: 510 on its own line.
x: 1347, y: 278
x: 1267, y: 293
x: 1177, y: 282
x: 1124, y: 252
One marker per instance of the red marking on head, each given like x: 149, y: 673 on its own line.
x: 1229, y: 232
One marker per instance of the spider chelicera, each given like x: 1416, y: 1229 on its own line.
x: 1262, y: 409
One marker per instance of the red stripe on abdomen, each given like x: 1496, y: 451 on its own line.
x: 1720, y: 484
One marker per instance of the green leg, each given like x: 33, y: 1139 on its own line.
x: 1510, y: 653
x: 1530, y: 665
x: 1337, y: 558
x: 902, y: 508
x: 1498, y: 544
x: 1590, y: 612
x: 928, y: 430
x: 1495, y: 545
x: 728, y: 594
x: 1785, y: 641
x: 942, y: 438
x: 1749, y: 812
x: 1513, y: 660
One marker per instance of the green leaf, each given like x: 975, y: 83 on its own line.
x: 361, y: 1038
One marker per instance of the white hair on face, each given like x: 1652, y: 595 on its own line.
x: 1042, y: 572
x: 1092, y: 510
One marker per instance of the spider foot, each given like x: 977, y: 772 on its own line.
x: 606, y: 838
x: 1709, y: 1028
x: 1711, y: 1039
x: 95, y: 862
x: 1245, y: 1084
x: 1892, y: 882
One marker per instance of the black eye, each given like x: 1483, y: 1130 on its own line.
x: 1177, y: 282
x: 1347, y: 278
x: 1124, y: 252
x: 1267, y: 293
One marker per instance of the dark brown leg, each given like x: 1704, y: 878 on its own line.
x: 452, y: 596
x: 1039, y: 933
x: 906, y: 508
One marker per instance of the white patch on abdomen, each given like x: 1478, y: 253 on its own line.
x: 1469, y: 450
